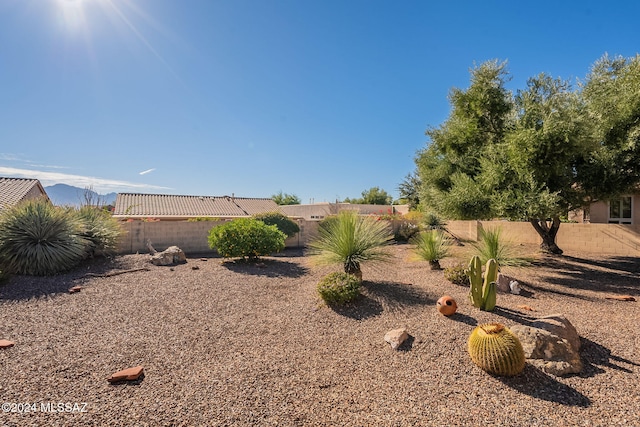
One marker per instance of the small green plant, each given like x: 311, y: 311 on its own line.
x: 283, y: 222
x: 483, y: 293
x: 491, y: 245
x: 339, y: 288
x: 432, y: 246
x: 100, y: 230
x: 39, y: 239
x: 494, y: 348
x: 458, y: 274
x: 246, y: 238
x: 350, y: 240
x: 433, y: 222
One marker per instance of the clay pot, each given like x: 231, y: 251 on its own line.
x: 447, y: 305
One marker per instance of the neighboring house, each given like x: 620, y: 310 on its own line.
x: 318, y: 211
x: 624, y: 210
x: 16, y: 190
x: 174, y: 208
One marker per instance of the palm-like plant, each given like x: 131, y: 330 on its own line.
x: 432, y: 246
x: 350, y: 239
x: 37, y: 238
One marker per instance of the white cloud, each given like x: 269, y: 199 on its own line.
x: 100, y: 185
x: 147, y: 171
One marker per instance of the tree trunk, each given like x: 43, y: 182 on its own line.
x: 548, y: 233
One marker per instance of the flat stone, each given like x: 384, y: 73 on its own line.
x: 621, y: 297
x: 6, y: 343
x: 525, y: 307
x: 75, y: 289
x: 129, y: 374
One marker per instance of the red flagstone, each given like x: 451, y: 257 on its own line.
x: 130, y: 374
x: 6, y: 343
x: 75, y: 289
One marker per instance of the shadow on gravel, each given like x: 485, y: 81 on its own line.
x: 537, y: 384
x: 463, y: 318
x: 513, y: 315
x: 361, y: 309
x: 617, y: 275
x: 266, y: 268
x: 20, y: 287
x: 595, y: 357
x: 394, y: 296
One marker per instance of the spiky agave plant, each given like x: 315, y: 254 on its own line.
x: 350, y: 239
x: 100, y: 229
x: 491, y: 245
x: 494, y: 348
x: 432, y: 246
x: 39, y: 239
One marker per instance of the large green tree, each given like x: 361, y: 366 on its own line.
x: 372, y: 196
x: 285, y: 199
x: 538, y: 154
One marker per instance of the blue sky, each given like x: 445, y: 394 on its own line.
x: 321, y: 99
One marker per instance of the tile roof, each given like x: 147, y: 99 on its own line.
x: 14, y: 190
x: 134, y: 205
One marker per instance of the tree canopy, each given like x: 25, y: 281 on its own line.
x: 537, y: 154
x: 372, y: 196
x: 285, y: 199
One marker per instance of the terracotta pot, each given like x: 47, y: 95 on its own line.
x: 447, y: 305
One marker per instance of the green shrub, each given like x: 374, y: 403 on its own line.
x: 100, y: 229
x: 283, y: 222
x: 432, y: 246
x: 339, y: 288
x: 246, y: 238
x: 39, y: 239
x: 350, y: 239
x: 457, y: 275
x: 203, y: 218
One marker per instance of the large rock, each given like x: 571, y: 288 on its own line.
x: 172, y: 255
x: 552, y: 344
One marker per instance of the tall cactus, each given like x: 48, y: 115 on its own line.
x: 483, y: 294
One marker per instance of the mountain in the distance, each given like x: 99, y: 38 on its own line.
x: 68, y: 195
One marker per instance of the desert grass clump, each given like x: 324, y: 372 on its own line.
x: 100, y: 230
x: 491, y: 245
x: 338, y: 288
x: 350, y: 239
x: 39, y: 239
x: 432, y: 246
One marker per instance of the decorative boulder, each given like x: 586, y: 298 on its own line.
x: 172, y: 255
x: 396, y: 337
x: 447, y: 305
x: 552, y: 344
x: 507, y: 284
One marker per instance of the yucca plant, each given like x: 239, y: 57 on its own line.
x: 432, y: 246
x: 100, y: 229
x: 39, y: 239
x: 491, y: 245
x: 350, y: 239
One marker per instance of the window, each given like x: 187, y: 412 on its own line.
x: 620, y: 211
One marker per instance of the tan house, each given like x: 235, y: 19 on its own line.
x: 167, y: 207
x: 16, y: 190
x: 620, y: 211
x: 318, y: 211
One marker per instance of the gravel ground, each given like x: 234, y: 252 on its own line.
x: 234, y: 344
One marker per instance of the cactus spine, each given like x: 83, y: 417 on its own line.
x: 494, y: 348
x: 483, y: 294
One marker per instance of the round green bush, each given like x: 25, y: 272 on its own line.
x: 39, y: 239
x: 283, y: 222
x: 339, y: 288
x: 246, y: 238
x: 457, y: 275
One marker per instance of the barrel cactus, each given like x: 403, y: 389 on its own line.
x: 494, y: 348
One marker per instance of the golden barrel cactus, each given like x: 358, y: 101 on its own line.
x: 494, y: 348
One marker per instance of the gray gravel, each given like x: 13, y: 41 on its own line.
x: 231, y: 344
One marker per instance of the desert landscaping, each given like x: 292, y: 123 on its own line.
x: 230, y: 343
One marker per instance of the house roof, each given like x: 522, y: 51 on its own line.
x: 132, y: 205
x: 14, y: 190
